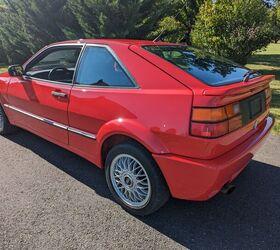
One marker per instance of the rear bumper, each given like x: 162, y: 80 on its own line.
x: 194, y: 179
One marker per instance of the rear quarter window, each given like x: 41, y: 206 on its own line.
x: 99, y: 68
x: 212, y: 70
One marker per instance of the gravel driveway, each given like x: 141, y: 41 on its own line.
x: 53, y: 199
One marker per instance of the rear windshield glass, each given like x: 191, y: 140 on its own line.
x: 212, y: 70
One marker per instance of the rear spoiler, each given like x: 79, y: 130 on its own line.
x: 243, y: 88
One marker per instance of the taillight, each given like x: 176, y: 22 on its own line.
x: 216, y: 122
x: 209, y: 129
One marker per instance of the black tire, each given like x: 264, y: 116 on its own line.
x: 5, y: 125
x: 159, y: 193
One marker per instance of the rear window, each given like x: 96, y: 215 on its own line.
x: 212, y: 70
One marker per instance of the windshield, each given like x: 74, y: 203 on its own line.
x: 212, y: 70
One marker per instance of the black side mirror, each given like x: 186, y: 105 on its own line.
x: 15, y: 70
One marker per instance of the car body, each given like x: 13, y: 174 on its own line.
x: 180, y: 121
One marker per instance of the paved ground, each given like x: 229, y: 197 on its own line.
x: 52, y: 199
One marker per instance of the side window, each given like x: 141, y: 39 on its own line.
x: 56, y: 64
x: 99, y: 68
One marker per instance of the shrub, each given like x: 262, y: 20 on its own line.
x: 233, y: 29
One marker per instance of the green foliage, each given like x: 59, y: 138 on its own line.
x: 233, y: 29
x: 169, y: 25
x: 179, y: 18
x: 229, y: 28
x: 28, y: 25
x: 116, y: 19
x: 276, y: 22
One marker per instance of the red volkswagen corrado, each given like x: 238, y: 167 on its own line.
x: 162, y: 119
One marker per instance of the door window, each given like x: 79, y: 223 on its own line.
x: 56, y: 64
x: 98, y: 67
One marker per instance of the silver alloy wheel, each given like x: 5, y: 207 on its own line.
x: 1, y: 120
x: 130, y: 181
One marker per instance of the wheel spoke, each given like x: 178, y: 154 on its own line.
x: 130, y: 181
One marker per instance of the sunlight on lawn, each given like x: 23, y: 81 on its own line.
x: 268, y: 62
x: 3, y: 69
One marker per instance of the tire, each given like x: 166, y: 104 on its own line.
x: 5, y: 126
x: 135, y: 180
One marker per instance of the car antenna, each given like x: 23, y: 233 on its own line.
x: 163, y: 30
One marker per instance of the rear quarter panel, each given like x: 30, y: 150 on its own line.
x: 209, y: 96
x: 157, y: 114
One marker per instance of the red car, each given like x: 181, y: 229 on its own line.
x: 162, y: 119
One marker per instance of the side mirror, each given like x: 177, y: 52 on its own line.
x: 15, y: 70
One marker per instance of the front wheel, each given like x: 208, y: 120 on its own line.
x: 135, y: 180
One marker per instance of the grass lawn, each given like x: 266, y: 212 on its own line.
x: 2, y: 69
x: 268, y: 62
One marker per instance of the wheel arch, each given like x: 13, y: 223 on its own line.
x: 115, y: 133
x: 114, y: 140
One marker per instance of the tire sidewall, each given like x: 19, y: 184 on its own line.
x: 2, y: 124
x: 150, y: 168
x: 7, y: 127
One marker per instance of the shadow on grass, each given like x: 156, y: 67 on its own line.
x: 247, y: 219
x: 271, y: 72
x: 268, y: 60
x: 275, y: 99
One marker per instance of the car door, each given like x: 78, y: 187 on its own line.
x: 101, y: 85
x: 39, y: 100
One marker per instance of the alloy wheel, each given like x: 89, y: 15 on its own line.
x: 130, y: 181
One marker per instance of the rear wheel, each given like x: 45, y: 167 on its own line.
x: 5, y: 126
x: 135, y: 180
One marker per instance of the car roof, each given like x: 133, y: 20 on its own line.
x: 114, y: 41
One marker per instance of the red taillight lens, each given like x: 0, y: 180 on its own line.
x: 209, y: 129
x: 216, y: 122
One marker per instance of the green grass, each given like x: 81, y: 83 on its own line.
x: 268, y: 62
x: 2, y: 69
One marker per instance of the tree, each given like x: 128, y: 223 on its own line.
x: 3, y: 57
x: 233, y: 29
x: 28, y: 25
x: 275, y: 16
x: 115, y: 19
x: 178, y: 21
x: 230, y: 28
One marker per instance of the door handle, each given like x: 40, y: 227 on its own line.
x: 59, y: 94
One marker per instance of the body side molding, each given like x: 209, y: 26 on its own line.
x: 53, y: 123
